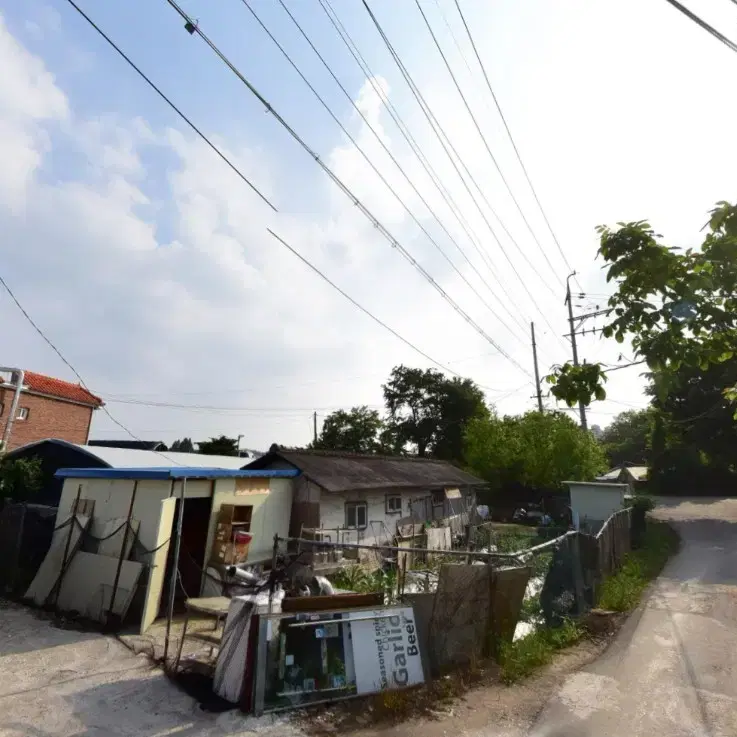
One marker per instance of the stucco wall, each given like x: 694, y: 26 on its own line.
x: 596, y: 502
x: 332, y: 514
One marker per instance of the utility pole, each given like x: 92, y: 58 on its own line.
x: 569, y: 301
x: 314, y: 426
x: 538, y: 393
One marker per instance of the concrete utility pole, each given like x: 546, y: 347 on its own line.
x: 569, y: 301
x: 538, y: 392
x: 314, y: 426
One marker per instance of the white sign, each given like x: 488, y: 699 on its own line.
x: 386, y: 650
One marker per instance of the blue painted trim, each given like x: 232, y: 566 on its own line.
x: 177, y: 472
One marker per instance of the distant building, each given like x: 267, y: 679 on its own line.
x: 48, y: 408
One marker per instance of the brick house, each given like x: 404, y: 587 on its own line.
x: 48, y: 408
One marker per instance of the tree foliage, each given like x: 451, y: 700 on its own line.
x: 428, y: 413
x: 679, y: 308
x: 20, y: 479
x: 627, y: 438
x: 185, y: 445
x: 221, y: 446
x: 536, y: 450
x: 357, y: 430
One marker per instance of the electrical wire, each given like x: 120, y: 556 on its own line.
x: 484, y: 140
x: 446, y: 144
x: 437, y: 181
x: 296, y: 253
x: 511, y: 138
x: 172, y: 105
x: 699, y: 21
x: 341, y: 185
x: 69, y: 365
x: 381, y: 176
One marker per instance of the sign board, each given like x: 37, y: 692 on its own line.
x: 386, y: 650
x: 244, y: 486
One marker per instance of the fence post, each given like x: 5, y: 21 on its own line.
x: 577, y: 574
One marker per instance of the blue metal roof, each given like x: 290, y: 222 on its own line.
x: 169, y: 473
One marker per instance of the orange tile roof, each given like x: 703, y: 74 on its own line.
x: 57, y: 388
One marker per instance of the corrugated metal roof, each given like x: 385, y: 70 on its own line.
x: 166, y: 473
x: 132, y: 458
x: 336, y: 471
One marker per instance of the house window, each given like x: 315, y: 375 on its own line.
x: 469, y: 502
x: 393, y: 504
x: 22, y: 413
x: 438, y: 498
x: 356, y: 515
x: 2, y: 408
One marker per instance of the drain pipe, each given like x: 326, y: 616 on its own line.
x: 18, y: 375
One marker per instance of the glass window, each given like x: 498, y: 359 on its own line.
x: 394, y: 504
x: 356, y: 515
x: 438, y: 498
x: 22, y: 413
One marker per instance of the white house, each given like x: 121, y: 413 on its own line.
x: 593, y: 502
x: 360, y: 498
x: 217, y: 503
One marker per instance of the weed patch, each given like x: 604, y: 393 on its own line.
x: 621, y: 592
x: 519, y: 659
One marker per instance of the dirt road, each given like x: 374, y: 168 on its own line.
x: 672, y: 669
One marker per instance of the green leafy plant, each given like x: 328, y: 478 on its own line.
x: 20, y: 479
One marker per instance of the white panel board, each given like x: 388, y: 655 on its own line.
x: 50, y: 570
x: 111, y: 533
x: 157, y: 563
x: 88, y: 585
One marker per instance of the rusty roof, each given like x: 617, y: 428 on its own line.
x: 340, y: 471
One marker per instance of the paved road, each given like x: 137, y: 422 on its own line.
x: 673, y: 668
x: 57, y: 683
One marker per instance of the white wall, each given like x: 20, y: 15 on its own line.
x: 332, y: 514
x: 597, y: 502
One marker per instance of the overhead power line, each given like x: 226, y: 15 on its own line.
x: 156, y: 89
x: 53, y: 347
x: 448, y: 146
x: 511, y: 138
x: 484, y: 141
x: 306, y: 262
x: 192, y: 27
x: 699, y: 21
x: 367, y: 159
x: 416, y: 149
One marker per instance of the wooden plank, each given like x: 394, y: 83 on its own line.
x: 330, y: 603
x: 214, y: 606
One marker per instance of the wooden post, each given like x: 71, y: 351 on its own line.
x: 174, y: 570
x: 121, y: 558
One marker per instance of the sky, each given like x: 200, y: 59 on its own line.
x: 146, y: 261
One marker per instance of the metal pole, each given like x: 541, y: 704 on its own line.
x: 174, y: 570
x: 19, y: 376
x: 314, y: 426
x: 581, y: 406
x: 122, y: 551
x: 538, y: 393
x: 272, y: 582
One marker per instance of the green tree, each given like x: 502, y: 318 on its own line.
x: 428, y: 413
x: 536, y: 450
x: 20, y: 479
x: 185, y: 445
x: 357, y: 430
x: 679, y: 308
x: 222, y: 446
x: 627, y: 438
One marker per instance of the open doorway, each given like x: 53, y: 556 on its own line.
x: 192, y: 563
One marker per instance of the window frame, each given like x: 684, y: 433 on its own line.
x: 356, y: 506
x: 435, y: 495
x: 22, y: 417
x: 387, y: 506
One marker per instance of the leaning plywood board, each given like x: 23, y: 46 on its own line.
x: 66, y: 539
x: 88, y: 585
x: 157, y: 563
x: 111, y: 533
